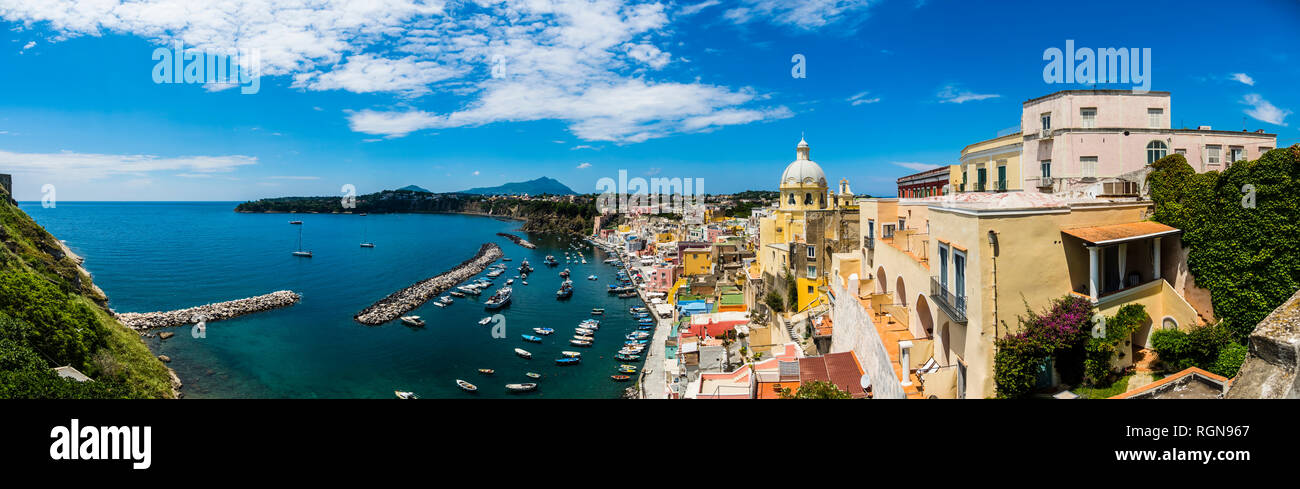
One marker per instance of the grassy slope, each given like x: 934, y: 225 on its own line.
x: 118, y: 356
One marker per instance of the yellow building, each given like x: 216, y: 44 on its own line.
x: 797, y: 239
x: 948, y: 275
x: 990, y: 166
x: 696, y: 261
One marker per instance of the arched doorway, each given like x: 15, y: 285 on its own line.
x: 900, y: 292
x: 924, y: 324
x: 882, y: 285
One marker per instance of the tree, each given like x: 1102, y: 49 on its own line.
x: 774, y: 302
x: 816, y: 389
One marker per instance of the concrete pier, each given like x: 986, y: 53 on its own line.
x: 212, y: 312
x: 519, y: 241
x: 406, y: 300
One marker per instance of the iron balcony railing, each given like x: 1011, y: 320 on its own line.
x: 1002, y: 185
x: 951, y: 303
x: 979, y: 187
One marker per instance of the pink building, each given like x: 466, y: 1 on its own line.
x: 1072, y: 135
x: 661, y: 279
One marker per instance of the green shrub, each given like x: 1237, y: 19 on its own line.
x: 1230, y: 359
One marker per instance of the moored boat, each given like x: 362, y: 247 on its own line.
x: 571, y: 354
x: 533, y: 375
x: 543, y: 331
x: 468, y: 387
x: 620, y: 378
x: 523, y: 353
x: 521, y: 387
x: 567, y: 361
x: 486, y: 371
x: 531, y: 338
x: 413, y: 320
x: 577, y: 342
x: 406, y: 395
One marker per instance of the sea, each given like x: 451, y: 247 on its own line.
x: 158, y: 256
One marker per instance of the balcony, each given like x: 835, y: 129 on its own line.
x: 952, y: 304
x: 1001, y: 185
x: 979, y: 186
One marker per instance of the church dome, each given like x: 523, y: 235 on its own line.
x: 803, y: 171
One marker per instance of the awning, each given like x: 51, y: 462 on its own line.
x: 1120, y: 233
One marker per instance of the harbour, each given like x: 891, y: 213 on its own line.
x: 210, y: 312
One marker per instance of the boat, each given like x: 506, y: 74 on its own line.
x: 523, y: 353
x: 598, y: 311
x: 440, y: 304
x: 445, y: 300
x: 413, y: 320
x: 567, y: 361
x: 367, y: 245
x: 456, y: 294
x: 533, y: 375
x: 620, y: 378
x: 406, y: 395
x: 525, y: 282
x: 521, y: 387
x: 591, y: 277
x: 466, y: 386
x: 486, y: 371
x: 543, y: 331
x: 524, y: 267
x: 565, y: 292
x: 627, y: 295
x: 550, y: 261
x: 531, y: 338
x: 470, y: 289
x: 300, y: 252
x: 485, y: 321
x: 627, y: 358
x: 571, y: 354
x: 510, y: 281
x: 627, y: 369
x: 585, y: 331
x: 576, y: 342
x: 499, y: 299
x: 565, y: 273
x: 506, y: 259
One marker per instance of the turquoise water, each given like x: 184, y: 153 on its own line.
x: 162, y: 256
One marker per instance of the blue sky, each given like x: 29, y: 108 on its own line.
x: 385, y: 94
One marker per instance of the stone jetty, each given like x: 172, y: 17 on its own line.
x: 212, y: 312
x: 406, y: 300
x: 519, y: 241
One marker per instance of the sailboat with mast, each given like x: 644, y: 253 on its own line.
x: 300, y: 252
x: 366, y: 231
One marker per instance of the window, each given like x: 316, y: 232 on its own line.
x: 1088, y: 166
x: 810, y: 289
x: 812, y: 253
x: 1155, y: 151
x: 1264, y: 149
x: 889, y: 231
x: 807, y: 199
x: 1088, y: 117
x: 943, y: 265
x: 791, y: 199
x: 1212, y: 154
x: 1002, y: 177
x: 1155, y: 117
x: 983, y: 178
x: 1181, y: 151
x: 959, y: 274
x: 1236, y: 153
x: 871, y: 229
x: 1046, y: 118
x: 1046, y: 167
x: 902, y: 223
x: 812, y: 272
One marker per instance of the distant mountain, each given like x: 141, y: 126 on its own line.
x: 415, y: 188
x: 543, y: 185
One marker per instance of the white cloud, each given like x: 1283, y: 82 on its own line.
x: 919, y: 167
x: 1244, y: 78
x: 476, y: 173
x: 1262, y: 110
x: 580, y: 61
x: 955, y: 95
x: 861, y: 98
x: 29, y: 45
x: 804, y: 14
x: 92, y: 166
x: 583, y: 146
x: 584, y: 165
x: 696, y: 8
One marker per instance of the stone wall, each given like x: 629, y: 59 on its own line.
x: 1270, y: 368
x: 855, y: 332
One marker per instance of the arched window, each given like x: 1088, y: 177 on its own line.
x: 1155, y: 151
x: 821, y: 200
x: 807, y: 199
x: 791, y: 199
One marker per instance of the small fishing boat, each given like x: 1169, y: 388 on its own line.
x: 295, y: 222
x: 445, y: 300
x: 627, y: 358
x: 577, y: 342
x: 506, y: 259
x: 620, y: 378
x: 510, y: 281
x: 468, y: 387
x: 591, y: 277
x: 567, y: 361
x: 531, y: 338
x: 533, y: 375
x: 486, y: 371
x: 521, y: 387
x: 367, y: 245
x: 499, y: 299
x: 525, y: 282
x: 627, y: 369
x: 565, y: 273
x: 598, y: 311
x: 543, y: 331
x: 584, y: 331
x: 413, y: 320
x: 457, y: 293
x: 485, y: 321
x: 571, y: 354
x: 523, y: 353
x: 406, y: 395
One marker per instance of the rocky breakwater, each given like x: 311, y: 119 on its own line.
x: 406, y: 300
x: 208, y: 313
x: 517, y: 240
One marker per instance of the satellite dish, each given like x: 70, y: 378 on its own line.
x: 865, y: 381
